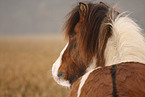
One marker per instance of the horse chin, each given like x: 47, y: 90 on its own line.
x: 64, y: 83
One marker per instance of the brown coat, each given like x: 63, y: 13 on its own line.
x: 126, y: 80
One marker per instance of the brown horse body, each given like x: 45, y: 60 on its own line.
x: 123, y: 80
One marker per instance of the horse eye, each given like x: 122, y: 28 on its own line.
x: 71, y: 36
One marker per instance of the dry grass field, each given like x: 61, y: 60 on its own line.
x: 25, y: 66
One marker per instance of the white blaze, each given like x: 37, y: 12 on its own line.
x: 56, y: 66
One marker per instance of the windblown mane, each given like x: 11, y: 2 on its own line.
x: 97, y: 29
x: 93, y: 39
x: 73, y: 19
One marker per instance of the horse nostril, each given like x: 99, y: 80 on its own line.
x: 60, y: 74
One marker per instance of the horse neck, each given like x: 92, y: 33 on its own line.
x: 126, y: 42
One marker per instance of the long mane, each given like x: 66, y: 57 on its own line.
x: 73, y: 19
x: 93, y: 39
x: 98, y: 35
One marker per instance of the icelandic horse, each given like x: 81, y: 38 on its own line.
x: 100, y: 36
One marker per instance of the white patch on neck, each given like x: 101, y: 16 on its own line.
x: 83, y: 80
x: 56, y: 66
x: 92, y: 64
x: 126, y: 43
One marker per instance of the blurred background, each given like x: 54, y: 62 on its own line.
x: 31, y: 39
x: 41, y: 17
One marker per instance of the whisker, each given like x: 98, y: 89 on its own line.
x: 50, y: 74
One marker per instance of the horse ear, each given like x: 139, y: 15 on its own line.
x: 102, y: 3
x: 83, y: 10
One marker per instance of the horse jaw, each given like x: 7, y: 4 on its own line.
x: 55, y: 68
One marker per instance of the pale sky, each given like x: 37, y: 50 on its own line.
x: 31, y: 17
